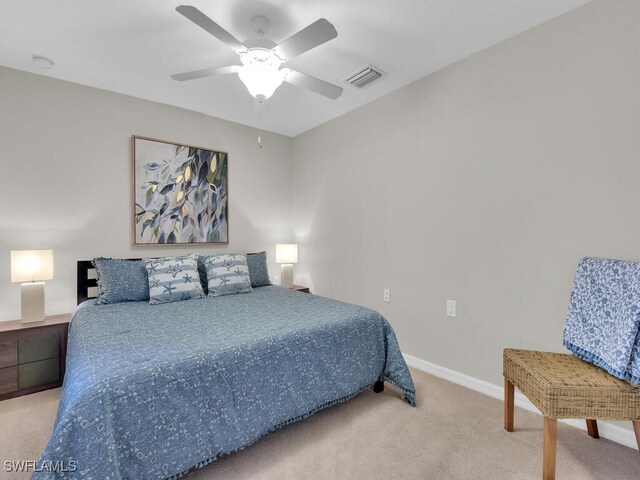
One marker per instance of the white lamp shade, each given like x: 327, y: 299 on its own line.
x: 261, y: 81
x: 260, y: 72
x: 286, y: 253
x: 31, y: 265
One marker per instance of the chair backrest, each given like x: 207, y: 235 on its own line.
x: 603, y: 319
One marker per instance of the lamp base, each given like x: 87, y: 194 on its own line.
x: 286, y: 275
x: 32, y: 304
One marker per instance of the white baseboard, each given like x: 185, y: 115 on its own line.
x: 607, y: 430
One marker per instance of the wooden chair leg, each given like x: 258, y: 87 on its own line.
x: 508, y: 405
x: 636, y: 428
x: 592, y: 428
x: 550, y: 433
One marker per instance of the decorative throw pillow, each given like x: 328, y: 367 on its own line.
x: 258, y: 271
x: 121, y: 281
x: 172, y: 279
x: 227, y: 274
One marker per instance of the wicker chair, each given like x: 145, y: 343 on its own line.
x: 563, y: 386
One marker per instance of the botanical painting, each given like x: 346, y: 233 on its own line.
x: 180, y: 193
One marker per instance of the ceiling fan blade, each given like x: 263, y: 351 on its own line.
x: 207, y: 72
x: 312, y: 83
x: 317, y: 33
x: 204, y: 22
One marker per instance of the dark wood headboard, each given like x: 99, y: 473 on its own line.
x: 83, y: 280
x: 84, y: 283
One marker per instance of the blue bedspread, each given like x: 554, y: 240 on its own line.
x: 153, y: 391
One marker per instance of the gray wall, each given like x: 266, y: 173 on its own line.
x: 484, y: 183
x: 65, y: 154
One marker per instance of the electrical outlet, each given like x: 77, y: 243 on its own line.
x: 276, y: 279
x: 451, y: 308
x: 387, y: 295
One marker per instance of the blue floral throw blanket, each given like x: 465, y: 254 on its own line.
x: 152, y: 391
x: 603, y: 322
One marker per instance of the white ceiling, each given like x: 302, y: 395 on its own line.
x: 132, y: 46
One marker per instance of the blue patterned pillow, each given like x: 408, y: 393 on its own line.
x: 258, y: 271
x: 227, y: 274
x: 172, y: 279
x: 121, y: 281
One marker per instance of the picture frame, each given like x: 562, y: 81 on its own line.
x: 180, y: 194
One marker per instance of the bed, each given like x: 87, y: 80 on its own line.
x: 153, y: 391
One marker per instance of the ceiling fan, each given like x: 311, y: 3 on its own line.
x: 261, y: 59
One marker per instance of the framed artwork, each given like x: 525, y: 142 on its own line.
x: 180, y: 194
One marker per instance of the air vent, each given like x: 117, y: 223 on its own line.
x: 364, y: 76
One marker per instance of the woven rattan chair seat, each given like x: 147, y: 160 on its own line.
x: 563, y: 386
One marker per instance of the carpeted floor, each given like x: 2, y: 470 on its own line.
x: 454, y: 433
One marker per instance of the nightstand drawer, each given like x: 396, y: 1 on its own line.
x: 38, y: 373
x: 8, y: 353
x: 8, y: 379
x: 38, y: 348
x: 32, y: 355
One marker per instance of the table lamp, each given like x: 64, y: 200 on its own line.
x: 286, y: 255
x: 31, y: 267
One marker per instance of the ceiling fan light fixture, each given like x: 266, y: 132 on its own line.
x: 261, y: 82
x: 260, y: 72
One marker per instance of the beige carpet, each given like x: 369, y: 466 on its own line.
x: 454, y: 433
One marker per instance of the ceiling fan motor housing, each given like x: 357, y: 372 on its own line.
x: 260, y: 25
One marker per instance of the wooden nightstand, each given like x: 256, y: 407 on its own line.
x: 300, y: 288
x: 32, y: 355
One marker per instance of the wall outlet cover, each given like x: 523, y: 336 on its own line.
x: 451, y: 308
